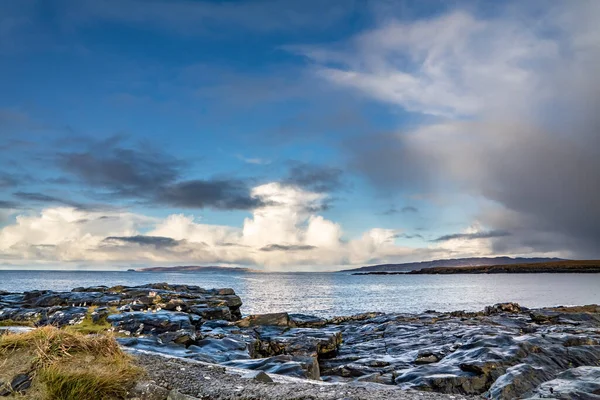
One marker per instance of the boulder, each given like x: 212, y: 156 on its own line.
x: 513, y: 308
x: 151, y: 322
x: 274, y: 319
x: 574, y: 383
x: 210, y: 313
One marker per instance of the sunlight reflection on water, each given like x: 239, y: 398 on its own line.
x: 343, y: 294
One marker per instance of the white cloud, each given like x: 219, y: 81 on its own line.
x: 286, y: 233
x: 453, y: 65
x: 253, y: 160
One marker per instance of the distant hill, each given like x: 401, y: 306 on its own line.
x: 452, y: 263
x: 194, y: 268
x: 573, y: 266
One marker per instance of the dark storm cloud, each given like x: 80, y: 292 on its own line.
x: 408, y: 236
x: 110, y: 165
x: 316, y: 178
x: 219, y: 194
x: 8, y: 204
x: 471, y: 236
x: 152, y: 177
x: 404, y: 210
x: 37, y: 197
x: 286, y: 247
x: 142, y: 240
x: 534, y: 151
x: 44, y: 198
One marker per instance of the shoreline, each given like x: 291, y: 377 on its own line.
x: 503, y: 351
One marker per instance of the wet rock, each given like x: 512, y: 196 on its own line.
x: 21, y: 314
x: 61, y: 316
x: 426, y: 359
x: 176, y: 305
x: 357, y: 317
x: 517, y: 380
x: 571, y: 341
x: 183, y: 336
x: 575, y: 383
x: 504, y: 352
x: 307, y: 321
x: 296, y: 366
x: 298, y: 341
x: 211, y: 313
x: 74, y: 298
x: 99, y: 289
x: 274, y: 319
x: 377, y: 377
x: 544, y: 317
x: 259, y: 376
x: 513, y: 308
x: 151, y: 322
x: 99, y: 314
x: 20, y: 383
x: 222, y: 350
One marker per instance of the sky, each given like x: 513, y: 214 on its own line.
x: 297, y: 135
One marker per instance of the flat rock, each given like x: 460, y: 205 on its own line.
x: 574, y: 383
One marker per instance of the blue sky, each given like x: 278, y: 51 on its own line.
x: 345, y: 132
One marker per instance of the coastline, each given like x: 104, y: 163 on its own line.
x: 503, y: 351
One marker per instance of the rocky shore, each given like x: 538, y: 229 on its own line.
x: 505, y: 351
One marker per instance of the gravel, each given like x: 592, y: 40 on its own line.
x: 209, y: 381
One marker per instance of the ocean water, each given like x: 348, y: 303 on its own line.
x: 330, y: 294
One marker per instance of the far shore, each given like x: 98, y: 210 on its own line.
x: 555, y: 267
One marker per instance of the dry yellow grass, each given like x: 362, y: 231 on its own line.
x: 68, y: 365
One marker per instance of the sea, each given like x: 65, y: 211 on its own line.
x: 336, y: 294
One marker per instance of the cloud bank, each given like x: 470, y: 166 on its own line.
x: 285, y: 232
x: 511, y: 105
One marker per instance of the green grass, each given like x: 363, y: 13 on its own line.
x: 88, y: 326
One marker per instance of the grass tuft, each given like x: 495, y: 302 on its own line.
x: 69, y: 365
x: 64, y: 383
